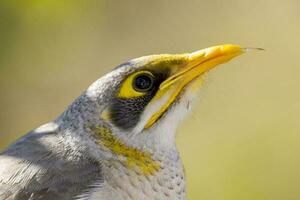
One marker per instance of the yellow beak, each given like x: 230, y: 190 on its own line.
x: 202, y: 61
x: 197, y: 63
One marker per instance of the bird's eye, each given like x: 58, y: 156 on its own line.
x: 143, y: 82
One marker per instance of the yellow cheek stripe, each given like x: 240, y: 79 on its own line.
x: 127, y: 91
x: 135, y: 158
x: 177, y: 89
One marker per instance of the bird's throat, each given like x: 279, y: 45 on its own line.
x: 132, y: 157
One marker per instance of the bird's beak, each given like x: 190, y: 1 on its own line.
x: 202, y: 61
x: 195, y: 65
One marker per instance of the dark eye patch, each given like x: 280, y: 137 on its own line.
x: 126, y: 112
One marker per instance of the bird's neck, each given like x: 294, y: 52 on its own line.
x: 121, y: 182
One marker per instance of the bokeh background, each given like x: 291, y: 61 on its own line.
x: 242, y: 140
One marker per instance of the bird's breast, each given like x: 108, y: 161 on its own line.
x: 123, y: 183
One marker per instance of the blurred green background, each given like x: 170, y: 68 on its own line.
x: 242, y: 140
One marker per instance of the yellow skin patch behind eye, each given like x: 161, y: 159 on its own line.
x: 135, y: 158
x: 105, y: 114
x: 127, y: 91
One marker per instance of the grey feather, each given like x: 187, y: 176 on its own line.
x: 59, y: 160
x: 41, y: 166
x: 63, y: 160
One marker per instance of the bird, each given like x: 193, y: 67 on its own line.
x: 117, y: 140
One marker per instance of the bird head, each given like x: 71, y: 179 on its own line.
x: 141, y: 102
